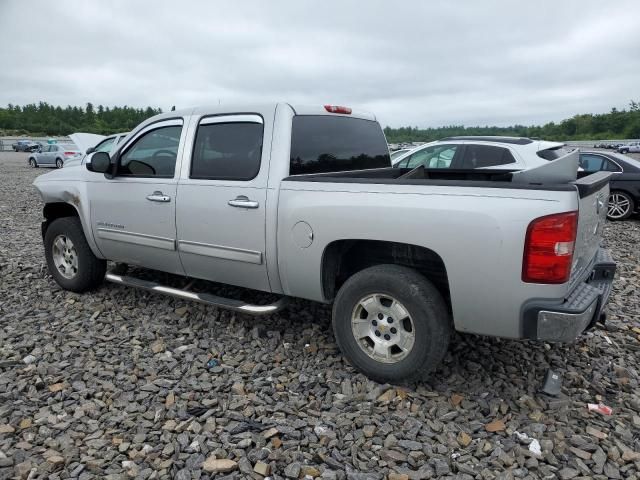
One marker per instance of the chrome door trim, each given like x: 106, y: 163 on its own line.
x: 220, y: 251
x: 174, y: 122
x: 247, y: 118
x: 137, y: 238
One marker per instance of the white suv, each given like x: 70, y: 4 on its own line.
x: 512, y: 153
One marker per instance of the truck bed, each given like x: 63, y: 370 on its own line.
x: 585, y: 182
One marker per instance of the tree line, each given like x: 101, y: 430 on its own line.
x: 45, y: 119
x: 616, y: 124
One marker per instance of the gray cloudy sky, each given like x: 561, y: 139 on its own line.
x: 411, y: 62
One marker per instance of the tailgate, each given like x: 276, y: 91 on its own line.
x: 593, y: 191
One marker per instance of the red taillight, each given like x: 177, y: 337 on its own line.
x: 69, y: 153
x: 548, y: 248
x: 337, y: 109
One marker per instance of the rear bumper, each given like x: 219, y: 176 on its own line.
x: 565, y: 321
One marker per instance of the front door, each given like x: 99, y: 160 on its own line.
x: 133, y: 214
x: 222, y: 202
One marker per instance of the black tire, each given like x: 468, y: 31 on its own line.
x: 33, y: 163
x: 90, y: 269
x: 59, y: 163
x: 423, y: 302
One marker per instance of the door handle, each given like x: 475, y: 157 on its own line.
x: 241, y: 201
x: 158, y: 196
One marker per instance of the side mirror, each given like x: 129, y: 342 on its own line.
x: 100, y: 162
x: 90, y: 150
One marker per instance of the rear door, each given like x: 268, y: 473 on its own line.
x: 222, y: 201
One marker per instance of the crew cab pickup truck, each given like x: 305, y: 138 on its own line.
x: 303, y: 202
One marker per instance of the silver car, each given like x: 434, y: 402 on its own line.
x: 53, y: 155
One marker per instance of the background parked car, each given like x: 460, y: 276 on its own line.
x: 106, y: 144
x: 53, y: 155
x: 26, y: 146
x: 633, y: 147
x: 513, y: 153
x: 624, y: 187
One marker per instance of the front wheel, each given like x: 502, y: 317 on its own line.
x: 69, y: 258
x: 621, y: 206
x: 33, y: 163
x: 391, y: 323
x: 59, y: 163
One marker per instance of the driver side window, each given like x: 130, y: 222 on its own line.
x: 153, y: 154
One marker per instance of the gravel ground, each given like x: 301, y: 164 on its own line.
x: 115, y: 384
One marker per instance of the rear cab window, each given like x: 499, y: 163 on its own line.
x: 327, y: 143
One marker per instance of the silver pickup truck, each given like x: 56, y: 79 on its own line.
x: 303, y: 202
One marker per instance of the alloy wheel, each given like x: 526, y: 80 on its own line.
x: 383, y: 328
x: 65, y: 256
x: 619, y: 206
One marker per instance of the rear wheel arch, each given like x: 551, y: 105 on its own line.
x: 344, y: 258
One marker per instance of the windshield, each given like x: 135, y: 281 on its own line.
x: 398, y: 153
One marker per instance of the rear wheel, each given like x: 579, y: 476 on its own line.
x: 621, y: 206
x: 33, y: 163
x: 391, y: 323
x: 59, y: 163
x: 69, y: 258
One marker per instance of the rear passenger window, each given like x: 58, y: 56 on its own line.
x: 591, y: 163
x: 327, y: 143
x: 227, y: 151
x: 612, y: 167
x: 480, y: 156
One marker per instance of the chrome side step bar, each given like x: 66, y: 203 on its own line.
x: 206, y: 298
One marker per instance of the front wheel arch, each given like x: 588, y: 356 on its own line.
x: 53, y: 211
